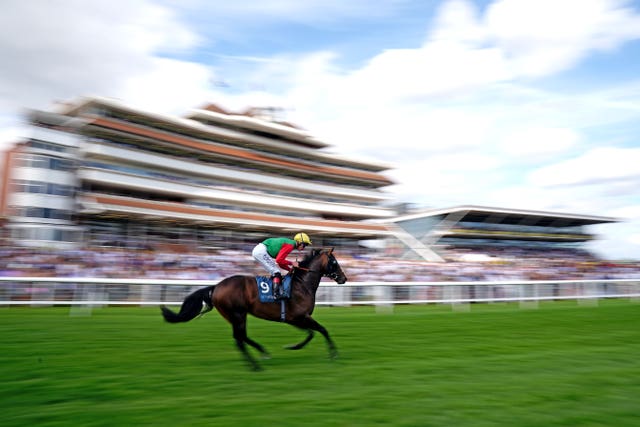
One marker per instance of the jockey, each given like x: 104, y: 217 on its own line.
x: 272, y: 254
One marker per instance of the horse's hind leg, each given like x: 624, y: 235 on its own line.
x: 311, y: 325
x: 302, y: 343
x: 240, y: 335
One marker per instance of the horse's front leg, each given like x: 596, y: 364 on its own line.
x: 252, y: 343
x: 308, y: 323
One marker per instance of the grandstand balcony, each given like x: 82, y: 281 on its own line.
x: 231, y: 198
x: 99, y: 154
x: 465, y: 233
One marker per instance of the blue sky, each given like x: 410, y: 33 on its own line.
x: 506, y: 103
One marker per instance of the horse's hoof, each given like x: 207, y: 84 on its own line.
x: 292, y: 347
x: 265, y: 356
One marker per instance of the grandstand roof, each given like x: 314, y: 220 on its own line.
x: 472, y: 213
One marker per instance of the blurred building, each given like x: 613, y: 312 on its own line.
x: 37, y: 200
x: 100, y: 173
x: 103, y: 173
x: 474, y: 231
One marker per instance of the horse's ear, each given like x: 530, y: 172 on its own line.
x: 330, y: 251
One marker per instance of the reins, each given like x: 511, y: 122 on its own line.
x: 305, y: 269
x: 331, y: 275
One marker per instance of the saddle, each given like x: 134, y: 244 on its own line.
x: 265, y: 288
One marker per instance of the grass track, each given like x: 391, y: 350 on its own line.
x: 562, y: 364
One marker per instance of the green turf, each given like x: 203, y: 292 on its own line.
x: 563, y: 364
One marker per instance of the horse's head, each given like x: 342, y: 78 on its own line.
x: 328, y: 265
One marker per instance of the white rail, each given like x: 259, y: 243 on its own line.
x: 37, y: 291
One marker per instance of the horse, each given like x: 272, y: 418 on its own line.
x: 236, y: 296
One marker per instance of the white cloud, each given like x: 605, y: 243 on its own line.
x: 154, y: 90
x: 460, y: 21
x: 533, y: 143
x: 438, y: 68
x: 446, y: 179
x: 603, y: 164
x: 58, y: 51
x: 12, y: 130
x: 514, y: 39
x: 634, y: 239
x: 628, y: 212
x: 617, y: 241
x: 545, y: 36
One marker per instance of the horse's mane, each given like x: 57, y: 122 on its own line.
x: 309, y: 257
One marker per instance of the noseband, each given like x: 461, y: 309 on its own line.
x: 332, y: 275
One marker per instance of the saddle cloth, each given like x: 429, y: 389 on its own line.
x: 265, y: 288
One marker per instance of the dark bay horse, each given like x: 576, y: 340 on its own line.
x: 237, y: 296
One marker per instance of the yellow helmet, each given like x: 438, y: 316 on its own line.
x: 302, y: 238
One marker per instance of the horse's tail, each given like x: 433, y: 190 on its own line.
x: 191, y: 307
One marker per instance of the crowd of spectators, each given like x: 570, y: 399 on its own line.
x: 461, y: 265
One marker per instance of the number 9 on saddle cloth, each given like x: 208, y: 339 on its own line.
x: 265, y: 288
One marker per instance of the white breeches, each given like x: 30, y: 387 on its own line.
x: 261, y: 255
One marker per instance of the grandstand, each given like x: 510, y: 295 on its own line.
x: 477, y: 232
x: 99, y: 173
x: 104, y: 173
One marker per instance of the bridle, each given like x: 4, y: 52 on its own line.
x: 331, y: 263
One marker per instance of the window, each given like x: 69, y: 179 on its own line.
x: 38, y: 212
x: 60, y: 164
x: 34, y: 143
x: 40, y: 187
x: 44, y: 162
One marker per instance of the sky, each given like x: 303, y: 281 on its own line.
x: 526, y: 104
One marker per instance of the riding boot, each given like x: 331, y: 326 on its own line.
x: 277, y: 286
